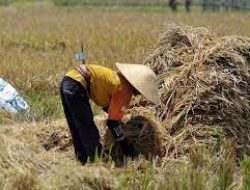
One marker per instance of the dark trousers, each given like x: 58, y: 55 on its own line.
x: 79, y: 116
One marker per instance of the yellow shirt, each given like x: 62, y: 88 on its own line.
x: 74, y: 74
x: 107, y: 89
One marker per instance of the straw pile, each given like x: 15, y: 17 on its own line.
x: 25, y: 164
x: 205, y: 91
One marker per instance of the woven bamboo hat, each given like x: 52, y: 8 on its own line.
x: 142, y: 78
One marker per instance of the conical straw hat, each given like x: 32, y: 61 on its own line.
x: 142, y: 78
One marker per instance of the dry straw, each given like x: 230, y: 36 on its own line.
x: 204, y: 84
x: 26, y: 164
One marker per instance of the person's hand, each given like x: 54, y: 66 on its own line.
x: 117, y: 132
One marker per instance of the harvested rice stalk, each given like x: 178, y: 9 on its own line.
x: 144, y: 132
x: 209, y: 88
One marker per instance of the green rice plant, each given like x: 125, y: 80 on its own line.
x: 5, y: 2
x: 245, y: 171
x: 43, y: 105
x: 184, y: 176
x: 108, y: 2
x: 225, y: 166
x: 142, y: 178
x: 67, y: 3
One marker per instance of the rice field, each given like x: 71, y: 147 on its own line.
x: 37, y: 45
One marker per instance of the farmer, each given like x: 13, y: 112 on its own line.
x: 112, y: 91
x: 187, y: 5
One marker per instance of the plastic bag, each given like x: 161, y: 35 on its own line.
x: 10, y: 99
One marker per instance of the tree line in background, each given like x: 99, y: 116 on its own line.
x: 214, y: 5
x: 173, y: 4
x: 211, y: 4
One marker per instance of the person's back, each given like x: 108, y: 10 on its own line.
x: 104, y: 82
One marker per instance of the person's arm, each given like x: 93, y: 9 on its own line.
x: 118, y: 105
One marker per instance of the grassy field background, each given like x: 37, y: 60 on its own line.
x: 37, y: 44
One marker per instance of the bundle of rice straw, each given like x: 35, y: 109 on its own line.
x: 143, y: 131
x: 205, y: 91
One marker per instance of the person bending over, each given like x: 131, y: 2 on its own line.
x: 110, y: 90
